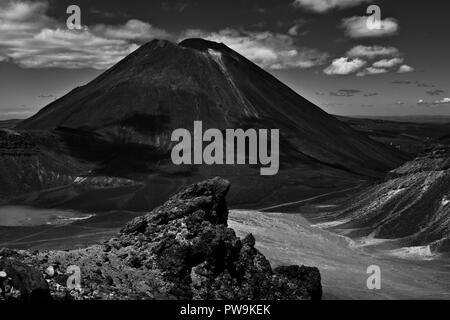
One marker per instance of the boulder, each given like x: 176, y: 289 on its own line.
x: 19, y: 281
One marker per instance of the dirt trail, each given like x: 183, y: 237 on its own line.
x: 289, y: 204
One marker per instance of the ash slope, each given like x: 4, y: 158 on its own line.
x: 181, y: 250
x: 163, y: 86
x: 410, y: 209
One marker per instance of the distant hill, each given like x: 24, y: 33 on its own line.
x: 411, y: 137
x: 9, y: 124
x: 411, y: 118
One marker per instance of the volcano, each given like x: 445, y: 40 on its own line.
x: 163, y: 86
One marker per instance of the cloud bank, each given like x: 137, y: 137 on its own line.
x: 32, y: 39
x: 344, y: 66
x: 356, y: 27
x: 267, y: 49
x: 381, y: 59
x: 322, y: 6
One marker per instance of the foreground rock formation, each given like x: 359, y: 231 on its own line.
x: 181, y: 250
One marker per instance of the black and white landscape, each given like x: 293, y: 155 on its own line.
x: 86, y: 150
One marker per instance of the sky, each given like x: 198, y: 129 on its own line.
x: 323, y: 49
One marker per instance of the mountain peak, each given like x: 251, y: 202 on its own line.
x: 203, y: 45
x: 157, y: 43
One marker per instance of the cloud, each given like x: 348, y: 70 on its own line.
x: 46, y: 96
x: 345, y: 93
x: 31, y: 39
x: 387, y: 63
x: 326, y: 5
x: 371, y: 71
x: 294, y: 30
x: 436, y: 92
x: 401, y: 82
x: 67, y: 49
x: 371, y: 52
x: 267, y: 49
x: 356, y: 27
x: 179, y: 7
x: 423, y: 85
x: 132, y: 30
x: 438, y: 102
x: 344, y: 66
x: 21, y: 18
x: 405, y: 69
x: 442, y: 101
x: 389, y: 58
x: 109, y: 14
x: 417, y: 83
x: 351, y: 93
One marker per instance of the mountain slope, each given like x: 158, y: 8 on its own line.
x: 410, y: 209
x: 163, y: 86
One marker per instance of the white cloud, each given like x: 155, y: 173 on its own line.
x: 387, y: 59
x: 344, y: 66
x: 326, y: 5
x: 434, y: 103
x: 267, y: 49
x: 387, y: 63
x: 356, y: 27
x: 370, y: 71
x: 72, y: 50
x: 442, y: 101
x: 18, y: 19
x: 23, y: 11
x: 294, y: 30
x: 31, y: 39
x: 405, y: 69
x: 132, y: 30
x: 371, y: 52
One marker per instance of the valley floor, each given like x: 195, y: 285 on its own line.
x: 284, y: 239
x: 290, y: 239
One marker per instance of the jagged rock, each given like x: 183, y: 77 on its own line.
x: 306, y: 276
x: 22, y: 282
x: 181, y: 250
x: 200, y: 258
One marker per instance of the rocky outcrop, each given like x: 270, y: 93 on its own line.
x: 19, y: 281
x: 181, y: 250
